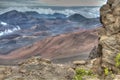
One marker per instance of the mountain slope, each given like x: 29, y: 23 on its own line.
x: 60, y: 46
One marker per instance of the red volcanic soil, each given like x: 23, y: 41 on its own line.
x: 58, y: 47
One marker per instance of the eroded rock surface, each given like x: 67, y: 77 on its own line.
x: 110, y: 33
x: 37, y: 69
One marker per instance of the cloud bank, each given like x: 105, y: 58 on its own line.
x: 74, y: 2
x: 12, y: 3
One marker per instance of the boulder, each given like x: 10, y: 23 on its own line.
x: 81, y: 62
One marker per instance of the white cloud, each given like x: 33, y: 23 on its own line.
x: 74, y: 2
x: 51, y: 2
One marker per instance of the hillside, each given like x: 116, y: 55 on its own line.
x: 68, y: 46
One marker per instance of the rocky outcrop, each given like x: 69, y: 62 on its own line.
x: 95, y: 52
x: 37, y: 69
x: 110, y: 33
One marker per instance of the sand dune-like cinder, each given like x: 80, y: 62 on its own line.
x: 58, y: 47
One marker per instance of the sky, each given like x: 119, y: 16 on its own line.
x: 12, y: 3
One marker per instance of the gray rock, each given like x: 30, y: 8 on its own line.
x: 95, y: 53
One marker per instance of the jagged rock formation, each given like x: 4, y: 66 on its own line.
x: 110, y: 33
x: 95, y: 52
x: 37, y: 68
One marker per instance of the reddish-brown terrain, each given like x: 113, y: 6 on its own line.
x: 61, y: 47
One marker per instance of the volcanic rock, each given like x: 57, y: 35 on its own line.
x: 82, y: 62
x: 38, y: 69
x: 110, y: 34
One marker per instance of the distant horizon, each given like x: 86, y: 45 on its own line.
x: 74, y: 2
x: 49, y: 6
x: 57, y: 3
x: 43, y: 6
x: 92, y: 11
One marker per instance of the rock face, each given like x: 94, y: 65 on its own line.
x: 38, y: 69
x: 110, y: 33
